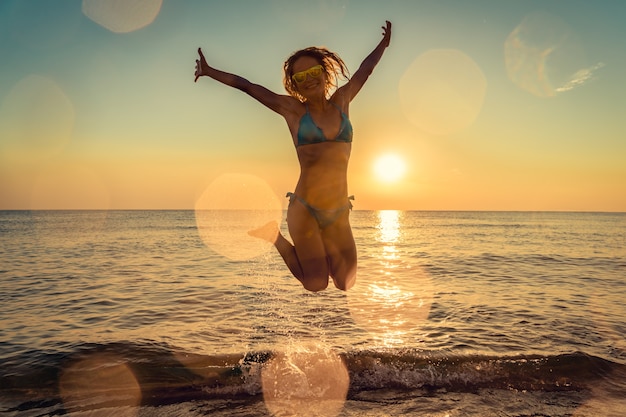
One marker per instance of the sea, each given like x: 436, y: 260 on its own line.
x: 154, y: 313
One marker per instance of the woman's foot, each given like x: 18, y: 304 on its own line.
x: 268, y: 232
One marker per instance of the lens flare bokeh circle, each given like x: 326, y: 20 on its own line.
x: 100, y: 382
x: 306, y: 380
x: 122, y: 16
x: 230, y: 207
x: 442, y: 92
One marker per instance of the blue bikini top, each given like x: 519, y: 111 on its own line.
x: 309, y: 132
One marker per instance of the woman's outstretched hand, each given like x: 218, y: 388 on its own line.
x: 387, y: 33
x: 201, y: 66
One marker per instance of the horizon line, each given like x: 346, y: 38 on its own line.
x: 362, y: 210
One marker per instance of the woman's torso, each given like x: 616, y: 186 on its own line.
x: 323, y: 159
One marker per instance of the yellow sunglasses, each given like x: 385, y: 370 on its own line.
x: 314, y: 72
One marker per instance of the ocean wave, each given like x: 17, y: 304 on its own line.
x: 560, y: 372
x: 164, y: 375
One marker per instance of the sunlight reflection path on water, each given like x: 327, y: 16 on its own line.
x: 393, y: 297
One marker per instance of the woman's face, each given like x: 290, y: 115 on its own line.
x: 311, y: 86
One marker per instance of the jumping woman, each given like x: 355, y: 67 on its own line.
x: 317, y: 114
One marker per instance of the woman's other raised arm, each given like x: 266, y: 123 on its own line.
x: 276, y: 102
x: 351, y: 89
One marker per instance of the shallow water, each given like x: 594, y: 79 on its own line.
x: 454, y: 313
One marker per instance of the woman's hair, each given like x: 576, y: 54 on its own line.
x: 333, y: 67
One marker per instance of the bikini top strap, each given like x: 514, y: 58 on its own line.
x: 338, y: 108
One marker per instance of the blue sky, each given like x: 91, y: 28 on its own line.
x: 515, y: 105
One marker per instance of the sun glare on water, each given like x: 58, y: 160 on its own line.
x: 389, y: 168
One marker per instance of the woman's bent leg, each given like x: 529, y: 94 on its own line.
x: 306, y: 258
x: 342, y: 256
x: 271, y: 233
x: 308, y: 246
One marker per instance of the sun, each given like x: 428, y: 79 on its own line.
x: 389, y: 168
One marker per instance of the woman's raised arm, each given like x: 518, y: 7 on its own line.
x: 276, y: 102
x: 350, y: 89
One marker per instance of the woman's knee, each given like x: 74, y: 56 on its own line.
x: 343, y: 272
x: 315, y: 284
x: 345, y: 283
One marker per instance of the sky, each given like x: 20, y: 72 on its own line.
x: 479, y: 105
